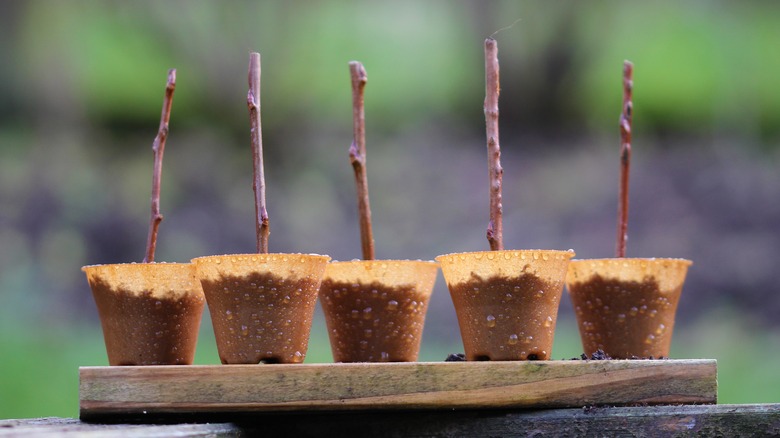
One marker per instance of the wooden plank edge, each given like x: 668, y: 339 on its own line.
x: 686, y: 420
x: 704, y: 376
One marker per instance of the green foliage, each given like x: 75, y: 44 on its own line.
x: 40, y: 370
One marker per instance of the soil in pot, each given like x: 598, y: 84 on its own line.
x: 506, y: 301
x: 626, y: 306
x: 150, y: 312
x: 261, y: 305
x: 375, y: 310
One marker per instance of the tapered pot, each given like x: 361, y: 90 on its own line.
x: 375, y: 310
x: 150, y: 312
x: 626, y: 306
x: 506, y: 301
x: 261, y: 305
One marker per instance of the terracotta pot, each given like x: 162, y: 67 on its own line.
x: 261, y: 305
x: 626, y: 306
x: 375, y: 310
x: 150, y: 312
x: 506, y: 301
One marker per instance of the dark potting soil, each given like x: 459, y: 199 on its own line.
x: 455, y: 357
x: 597, y: 355
x: 461, y: 357
x: 601, y: 355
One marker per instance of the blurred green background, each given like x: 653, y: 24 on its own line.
x: 81, y: 85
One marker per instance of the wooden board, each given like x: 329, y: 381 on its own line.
x: 162, y: 390
x: 648, y: 421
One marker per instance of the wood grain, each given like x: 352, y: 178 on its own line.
x: 408, y: 386
x: 643, y: 421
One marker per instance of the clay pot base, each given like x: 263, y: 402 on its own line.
x: 260, y: 316
x: 375, y: 310
x: 626, y: 307
x: 150, y: 313
x: 506, y: 301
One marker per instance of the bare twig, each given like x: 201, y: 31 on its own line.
x: 158, y: 147
x: 357, y: 156
x: 262, y: 228
x: 495, y: 234
x: 625, y: 158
